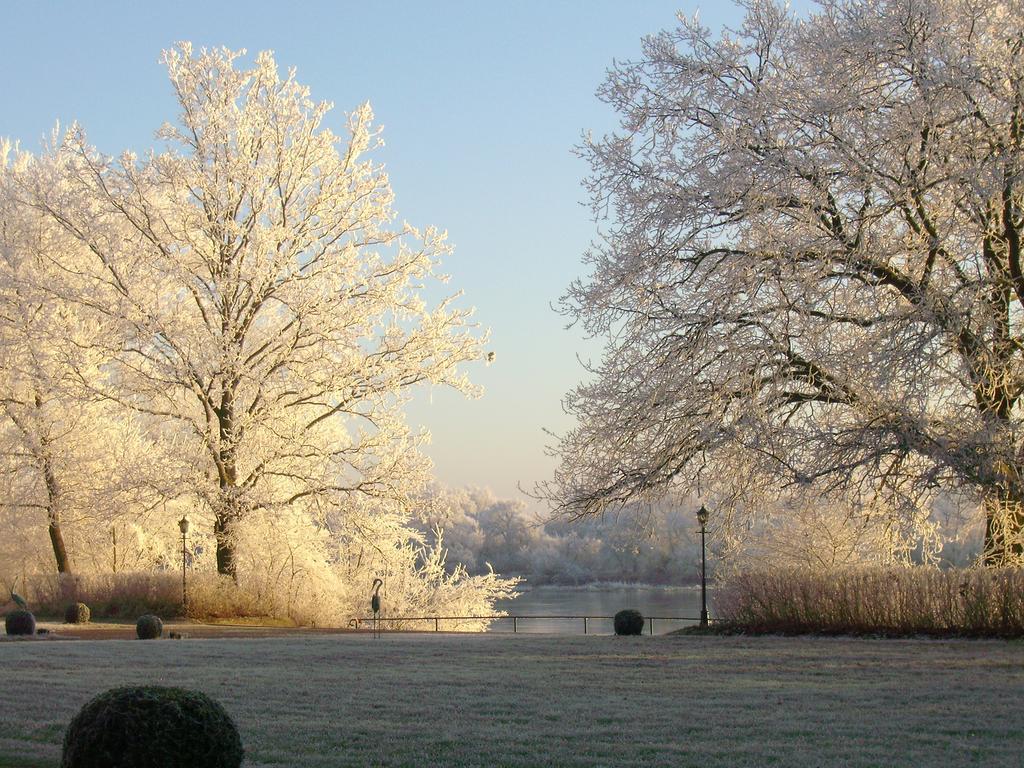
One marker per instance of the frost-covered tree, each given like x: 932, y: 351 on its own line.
x: 810, y: 273
x: 262, y: 301
x: 34, y: 425
x: 71, y: 464
x: 649, y: 543
x: 323, y: 575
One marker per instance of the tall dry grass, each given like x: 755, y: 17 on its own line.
x: 129, y: 595
x: 903, y: 601
x: 303, y: 602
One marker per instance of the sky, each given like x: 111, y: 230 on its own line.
x: 481, y: 103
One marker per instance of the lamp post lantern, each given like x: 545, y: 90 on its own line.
x: 183, y: 527
x: 702, y: 518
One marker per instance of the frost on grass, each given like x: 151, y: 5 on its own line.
x: 489, y: 700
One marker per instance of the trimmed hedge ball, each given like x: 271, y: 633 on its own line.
x: 149, y: 627
x: 629, y: 622
x: 152, y: 727
x: 77, y: 613
x: 20, y: 622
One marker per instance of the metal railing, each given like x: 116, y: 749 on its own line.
x: 387, y: 623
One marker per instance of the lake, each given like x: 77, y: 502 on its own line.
x: 598, y: 600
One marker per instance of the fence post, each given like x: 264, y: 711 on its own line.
x: 515, y: 624
x: 584, y: 625
x: 651, y: 621
x: 437, y: 624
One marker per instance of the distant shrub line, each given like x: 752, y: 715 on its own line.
x: 863, y: 601
x: 131, y: 594
x: 128, y: 595
x: 902, y: 601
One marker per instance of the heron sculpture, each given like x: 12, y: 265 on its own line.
x: 18, y: 600
x: 375, y: 606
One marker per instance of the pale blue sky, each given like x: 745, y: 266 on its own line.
x: 481, y: 105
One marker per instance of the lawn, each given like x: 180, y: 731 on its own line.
x: 500, y: 700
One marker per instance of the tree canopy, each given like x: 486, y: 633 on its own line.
x: 227, y: 327
x: 809, y: 271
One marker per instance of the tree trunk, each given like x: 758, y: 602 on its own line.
x: 225, y: 546
x: 60, y: 552
x: 1003, y: 499
x: 1004, y: 530
x: 227, y: 511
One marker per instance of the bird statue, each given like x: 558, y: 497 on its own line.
x: 19, y: 600
x: 375, y: 606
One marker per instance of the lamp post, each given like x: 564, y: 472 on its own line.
x: 702, y: 518
x: 183, y: 527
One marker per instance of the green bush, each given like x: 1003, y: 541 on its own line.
x: 77, y: 613
x: 629, y: 622
x: 20, y: 622
x: 152, y: 727
x: 149, y: 627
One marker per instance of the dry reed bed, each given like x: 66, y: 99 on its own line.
x: 129, y: 595
x: 903, y: 601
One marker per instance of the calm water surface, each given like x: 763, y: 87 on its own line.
x: 598, y: 601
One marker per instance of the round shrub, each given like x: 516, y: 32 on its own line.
x: 149, y: 627
x: 629, y: 622
x: 152, y: 727
x: 20, y: 622
x: 77, y: 613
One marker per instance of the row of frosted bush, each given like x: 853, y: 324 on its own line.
x: 919, y: 600
x: 129, y: 595
x: 307, y: 602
